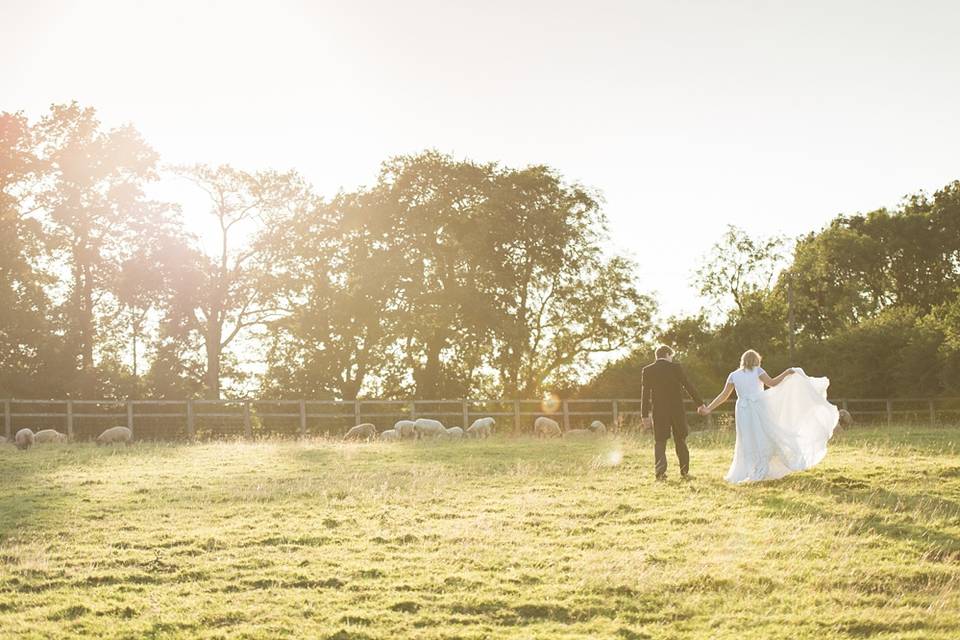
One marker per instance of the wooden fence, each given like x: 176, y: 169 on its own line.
x: 171, y: 419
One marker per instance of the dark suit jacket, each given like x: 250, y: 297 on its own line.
x: 661, y: 388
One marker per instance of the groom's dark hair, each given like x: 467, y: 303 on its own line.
x: 663, y: 351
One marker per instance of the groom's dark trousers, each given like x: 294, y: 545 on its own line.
x: 662, y: 385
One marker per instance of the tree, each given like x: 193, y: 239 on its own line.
x: 338, y: 271
x: 738, y: 266
x: 30, y: 349
x: 231, y: 299
x: 93, y: 191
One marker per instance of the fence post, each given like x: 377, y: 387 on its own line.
x: 616, y: 415
x: 303, y: 418
x: 889, y: 412
x: 70, y: 419
x: 710, y: 421
x: 7, y: 426
x: 466, y: 413
x: 516, y: 416
x: 933, y: 414
x: 566, y: 416
x: 130, y: 415
x: 356, y: 411
x: 247, y: 429
x: 844, y: 404
x: 413, y: 409
x: 191, y: 431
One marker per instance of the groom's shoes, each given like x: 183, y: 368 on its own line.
x: 686, y: 477
x: 662, y: 478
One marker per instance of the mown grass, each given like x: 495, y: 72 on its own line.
x: 505, y: 538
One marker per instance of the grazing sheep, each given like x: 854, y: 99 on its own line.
x: 545, y: 427
x: 845, y: 419
x: 405, y: 429
x: 598, y: 427
x: 49, y: 435
x: 365, y: 431
x: 389, y: 435
x: 115, y: 435
x: 455, y: 433
x: 425, y: 427
x: 23, y: 439
x: 481, y: 428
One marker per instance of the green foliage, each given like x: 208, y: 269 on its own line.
x: 874, y: 301
x: 447, y: 279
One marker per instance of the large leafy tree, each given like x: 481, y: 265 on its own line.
x: 229, y: 299
x: 449, y: 278
x: 338, y: 271
x: 93, y: 196
x: 739, y: 266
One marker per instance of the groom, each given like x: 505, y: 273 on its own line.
x: 661, y: 389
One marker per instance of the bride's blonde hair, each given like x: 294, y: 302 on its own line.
x: 750, y: 360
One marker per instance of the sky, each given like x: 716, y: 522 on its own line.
x: 687, y: 116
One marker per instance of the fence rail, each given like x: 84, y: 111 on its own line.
x: 83, y: 419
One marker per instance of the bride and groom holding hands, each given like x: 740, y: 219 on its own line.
x: 783, y: 423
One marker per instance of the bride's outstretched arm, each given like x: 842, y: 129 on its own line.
x: 772, y: 382
x: 720, y: 399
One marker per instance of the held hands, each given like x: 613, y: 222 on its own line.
x: 703, y: 410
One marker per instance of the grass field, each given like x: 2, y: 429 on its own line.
x: 505, y: 538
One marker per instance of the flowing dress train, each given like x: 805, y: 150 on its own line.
x: 781, y: 429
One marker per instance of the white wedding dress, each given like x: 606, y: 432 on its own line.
x: 781, y: 429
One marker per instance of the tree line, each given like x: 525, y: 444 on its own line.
x: 446, y: 278
x: 871, y: 301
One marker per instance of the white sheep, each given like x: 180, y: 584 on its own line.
x: 405, y: 429
x: 365, y: 431
x: 545, y: 427
x: 23, y: 439
x: 455, y: 433
x: 49, y: 435
x: 425, y: 427
x: 844, y: 419
x: 481, y: 428
x: 115, y: 435
x: 390, y: 435
x: 598, y: 427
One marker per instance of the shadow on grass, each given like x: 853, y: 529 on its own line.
x: 897, y: 516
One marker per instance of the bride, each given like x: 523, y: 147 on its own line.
x: 781, y: 429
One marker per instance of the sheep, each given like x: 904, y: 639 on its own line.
x: 405, y: 429
x: 390, y: 435
x: 23, y: 439
x: 844, y: 418
x: 49, y: 435
x: 545, y: 427
x: 595, y: 430
x: 481, y: 428
x: 426, y: 427
x: 115, y: 435
x: 365, y: 431
x: 455, y: 433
